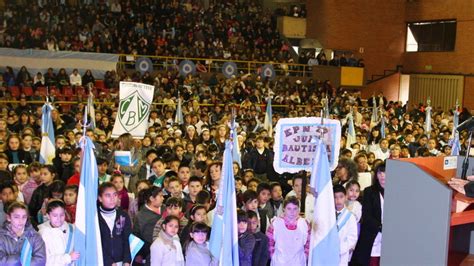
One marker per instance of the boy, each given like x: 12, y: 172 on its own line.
x: 70, y: 199
x: 174, y: 206
x: 63, y: 164
x: 260, y: 159
x: 250, y: 198
x: 346, y: 225
x: 175, y: 188
x: 102, y: 166
x: 7, y: 196
x: 159, y: 169
x: 199, y: 169
x: 194, y: 187
x: 276, y: 200
x: 263, y: 192
x: 246, y: 239
x: 260, y: 254
x: 184, y: 173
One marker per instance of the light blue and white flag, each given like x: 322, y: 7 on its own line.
x: 351, y: 134
x: 455, y: 120
x: 455, y: 145
x: 135, y: 245
x: 382, y: 127
x: 428, y: 118
x: 268, y: 123
x: 236, y: 157
x: 224, y: 242
x: 324, y: 244
x: 26, y: 253
x: 91, y: 109
x: 48, y: 149
x: 178, y: 119
x: 374, y: 118
x: 87, y: 239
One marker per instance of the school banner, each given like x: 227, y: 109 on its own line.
x: 134, y: 109
x: 296, y: 143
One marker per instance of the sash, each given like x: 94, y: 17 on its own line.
x: 343, y: 218
x: 69, y: 240
x: 26, y: 253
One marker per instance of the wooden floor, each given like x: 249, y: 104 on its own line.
x: 462, y: 259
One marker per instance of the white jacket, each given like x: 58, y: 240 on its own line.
x: 347, y: 239
x: 55, y: 240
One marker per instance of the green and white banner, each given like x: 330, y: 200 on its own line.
x: 134, y: 109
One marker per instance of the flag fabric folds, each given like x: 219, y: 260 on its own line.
x: 135, y: 245
x: 91, y: 110
x: 382, y: 127
x: 87, y: 239
x: 374, y: 118
x: 324, y: 243
x: 179, y: 113
x: 267, y: 124
x: 351, y: 134
x: 26, y: 253
x: 428, y: 121
x: 48, y: 149
x: 224, y: 238
x: 455, y: 145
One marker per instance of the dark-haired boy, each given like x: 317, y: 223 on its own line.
x: 346, y: 225
x: 260, y: 255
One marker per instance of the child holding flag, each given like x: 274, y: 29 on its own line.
x: 58, y: 235
x: 346, y: 225
x: 19, y: 242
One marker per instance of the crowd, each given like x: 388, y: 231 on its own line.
x: 167, y: 197
x: 239, y: 30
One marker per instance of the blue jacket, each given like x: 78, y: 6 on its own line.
x: 11, y: 245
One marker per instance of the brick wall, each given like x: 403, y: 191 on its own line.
x: 376, y: 26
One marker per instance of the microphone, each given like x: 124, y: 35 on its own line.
x: 468, y: 124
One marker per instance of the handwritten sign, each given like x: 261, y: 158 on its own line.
x: 295, y: 142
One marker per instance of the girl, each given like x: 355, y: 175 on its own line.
x: 56, y: 191
x: 212, y: 180
x: 15, y: 153
x: 197, y: 214
x: 368, y: 248
x: 352, y: 204
x: 33, y: 182
x: 13, y: 234
x: 47, y: 176
x: 288, y: 236
x: 150, y: 201
x: 345, y: 171
x: 118, y: 181
x: 115, y: 227
x: 134, y: 206
x: 58, y: 235
x: 125, y: 143
x: 197, y: 252
x: 70, y: 199
x: 20, y: 177
x: 166, y: 249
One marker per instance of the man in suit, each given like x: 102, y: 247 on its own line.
x: 465, y: 187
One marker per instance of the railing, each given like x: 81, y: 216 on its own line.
x: 211, y: 65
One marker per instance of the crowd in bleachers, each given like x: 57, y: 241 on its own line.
x: 239, y: 30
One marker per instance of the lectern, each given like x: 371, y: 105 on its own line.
x: 425, y: 222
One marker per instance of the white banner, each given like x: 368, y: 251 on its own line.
x: 295, y: 143
x: 134, y: 109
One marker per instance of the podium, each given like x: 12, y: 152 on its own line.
x: 425, y: 222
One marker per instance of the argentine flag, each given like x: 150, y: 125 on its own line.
x: 91, y: 109
x: 47, y: 150
x: 455, y: 145
x: 87, y: 234
x: 26, y: 253
x: 179, y: 113
x: 382, y: 127
x: 268, y: 124
x: 324, y: 243
x: 235, y: 141
x: 374, y: 118
x: 428, y: 121
x: 224, y: 243
x: 351, y: 134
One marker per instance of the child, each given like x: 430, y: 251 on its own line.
x: 56, y: 191
x: 276, y: 200
x: 159, y: 169
x: 263, y: 192
x: 7, y: 196
x: 75, y: 178
x: 260, y: 254
x: 250, y: 198
x: 57, y: 235
x: 150, y: 201
x: 47, y: 176
x: 184, y: 174
x: 174, y: 206
x: 166, y: 249
x: 198, y: 213
x: 115, y: 227
x: 13, y: 234
x: 289, y: 236
x: 197, y: 252
x: 352, y: 204
x: 119, y: 182
x: 252, y: 184
x: 20, y: 177
x: 133, y: 208
x: 194, y: 187
x: 246, y: 239
x: 70, y: 200
x: 346, y: 225
x: 102, y: 170
x: 33, y: 182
